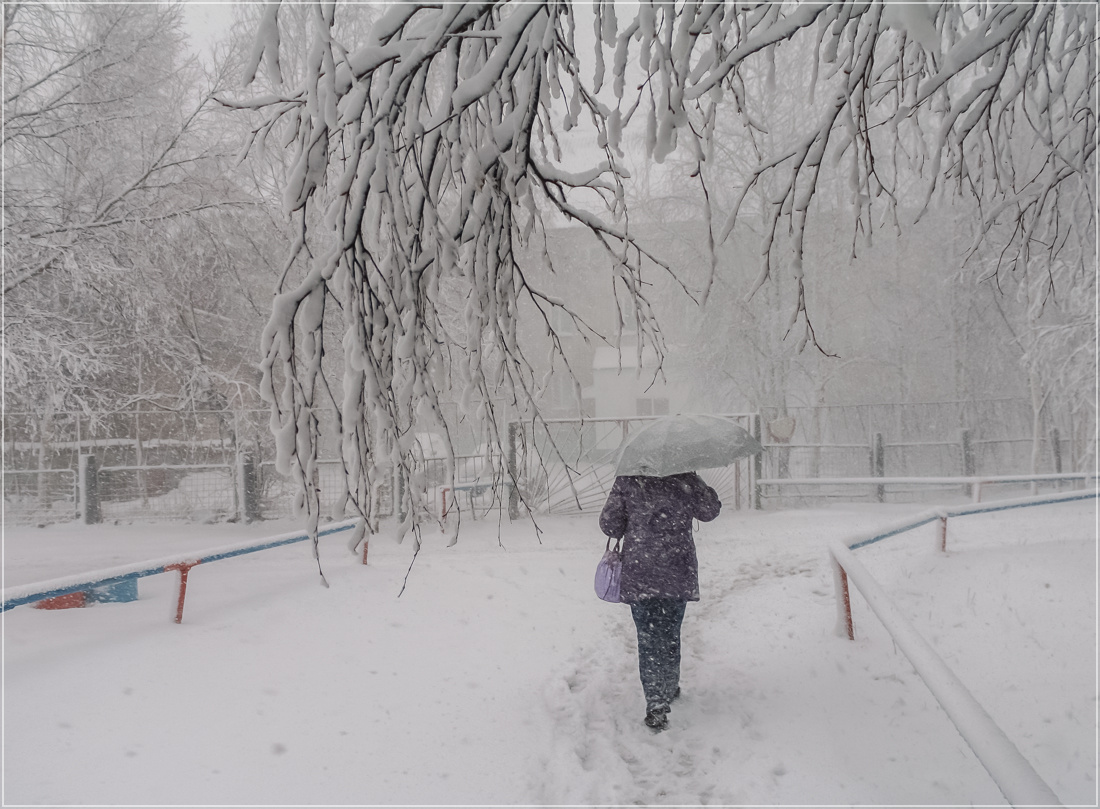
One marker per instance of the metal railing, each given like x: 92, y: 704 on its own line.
x: 878, y: 487
x: 1013, y: 774
x: 180, y: 563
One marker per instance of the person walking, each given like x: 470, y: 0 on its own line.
x: 660, y: 571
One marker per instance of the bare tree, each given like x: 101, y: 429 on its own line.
x: 76, y: 80
x: 105, y: 151
x: 432, y: 147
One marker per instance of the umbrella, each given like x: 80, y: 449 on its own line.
x: 676, y: 444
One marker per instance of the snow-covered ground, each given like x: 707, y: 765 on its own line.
x: 499, y: 678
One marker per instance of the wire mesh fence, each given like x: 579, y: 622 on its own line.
x: 912, y: 459
x: 993, y: 457
x: 185, y: 465
x: 816, y: 460
x: 568, y: 465
x: 131, y: 438
x: 1003, y: 434
x: 40, y: 495
x: 279, y: 494
x: 939, y: 439
x: 199, y: 492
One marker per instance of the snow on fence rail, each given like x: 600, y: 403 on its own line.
x: 974, y: 482
x: 1012, y: 773
x: 101, y: 443
x: 181, y: 563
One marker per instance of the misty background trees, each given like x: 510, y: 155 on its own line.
x: 136, y: 269
x: 775, y: 207
x: 121, y: 277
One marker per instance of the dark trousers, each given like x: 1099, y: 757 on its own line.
x: 658, y: 621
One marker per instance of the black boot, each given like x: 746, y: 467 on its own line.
x: 657, y: 719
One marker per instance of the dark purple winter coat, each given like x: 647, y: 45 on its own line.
x: 653, y: 516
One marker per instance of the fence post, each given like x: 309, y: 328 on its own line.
x: 88, y: 481
x: 1056, y: 448
x: 513, y: 475
x: 756, y: 471
x: 139, y: 459
x: 968, y: 460
x: 737, y: 486
x: 844, y: 624
x: 43, y: 487
x: 248, y: 486
x: 878, y: 464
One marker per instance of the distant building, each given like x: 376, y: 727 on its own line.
x: 608, y: 380
x: 619, y: 388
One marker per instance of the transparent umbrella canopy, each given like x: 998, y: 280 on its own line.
x: 676, y: 444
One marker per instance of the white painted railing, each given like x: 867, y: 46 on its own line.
x: 1013, y: 774
x: 975, y: 482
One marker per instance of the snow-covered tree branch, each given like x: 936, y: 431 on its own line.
x: 428, y: 157
x: 432, y: 149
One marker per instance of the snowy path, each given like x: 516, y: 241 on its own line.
x: 777, y: 709
x: 499, y: 678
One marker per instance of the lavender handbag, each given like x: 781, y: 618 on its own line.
x: 608, y: 572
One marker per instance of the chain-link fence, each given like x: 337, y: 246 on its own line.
x: 199, y: 492
x: 132, y: 438
x: 923, y: 439
x: 279, y: 494
x: 186, y: 465
x: 40, y: 495
x: 816, y: 460
x: 944, y: 439
x: 148, y: 464
x: 568, y: 465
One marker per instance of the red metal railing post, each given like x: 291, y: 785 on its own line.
x: 844, y: 600
x: 847, y: 602
x: 943, y: 534
x: 184, y: 568
x: 365, y: 543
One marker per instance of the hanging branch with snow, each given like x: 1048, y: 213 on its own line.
x: 428, y: 158
x: 432, y: 151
